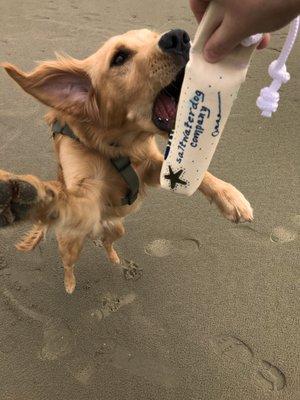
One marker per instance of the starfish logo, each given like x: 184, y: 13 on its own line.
x: 174, y: 178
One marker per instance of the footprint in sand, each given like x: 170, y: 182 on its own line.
x: 264, y: 373
x: 82, y: 371
x: 131, y: 270
x: 57, y: 338
x: 165, y: 247
x: 233, y: 348
x: 286, y: 234
x: 57, y: 341
x: 270, y: 377
x: 84, y: 375
x: 281, y: 234
x: 110, y: 304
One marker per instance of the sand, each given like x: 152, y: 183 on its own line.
x: 201, y: 309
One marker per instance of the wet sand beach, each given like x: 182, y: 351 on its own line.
x: 201, y: 309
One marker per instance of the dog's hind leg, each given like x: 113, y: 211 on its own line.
x: 112, y: 231
x: 69, y: 248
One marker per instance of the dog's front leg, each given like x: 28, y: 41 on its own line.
x: 74, y: 212
x: 151, y: 171
x: 231, y: 202
x: 25, y: 197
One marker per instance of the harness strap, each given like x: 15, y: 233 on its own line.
x: 122, y: 165
x: 64, y: 130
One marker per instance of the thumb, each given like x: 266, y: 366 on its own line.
x: 224, y: 39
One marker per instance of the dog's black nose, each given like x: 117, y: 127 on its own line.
x: 176, y: 41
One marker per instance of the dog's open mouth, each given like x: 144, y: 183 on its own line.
x: 165, y: 104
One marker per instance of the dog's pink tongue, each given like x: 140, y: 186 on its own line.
x: 166, y: 108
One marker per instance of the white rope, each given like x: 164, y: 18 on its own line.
x: 268, y: 100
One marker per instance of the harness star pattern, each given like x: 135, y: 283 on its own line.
x: 174, y: 178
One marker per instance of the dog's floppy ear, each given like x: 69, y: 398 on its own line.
x: 62, y: 84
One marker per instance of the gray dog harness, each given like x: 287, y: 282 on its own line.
x: 122, y: 165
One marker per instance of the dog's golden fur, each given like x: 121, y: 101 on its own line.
x: 110, y: 111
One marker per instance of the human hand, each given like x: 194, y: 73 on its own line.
x: 242, y: 19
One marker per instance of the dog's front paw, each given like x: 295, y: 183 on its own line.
x: 17, y: 198
x: 233, y: 205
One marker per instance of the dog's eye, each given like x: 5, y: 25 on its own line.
x: 120, y: 58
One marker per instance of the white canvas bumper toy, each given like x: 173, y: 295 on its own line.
x: 207, y: 95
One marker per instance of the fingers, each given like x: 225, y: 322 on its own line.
x: 264, y: 42
x: 225, y: 38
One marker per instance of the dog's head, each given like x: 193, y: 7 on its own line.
x: 133, y: 80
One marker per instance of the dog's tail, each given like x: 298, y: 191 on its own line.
x: 32, y: 238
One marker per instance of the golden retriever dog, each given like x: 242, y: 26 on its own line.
x: 114, y: 103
